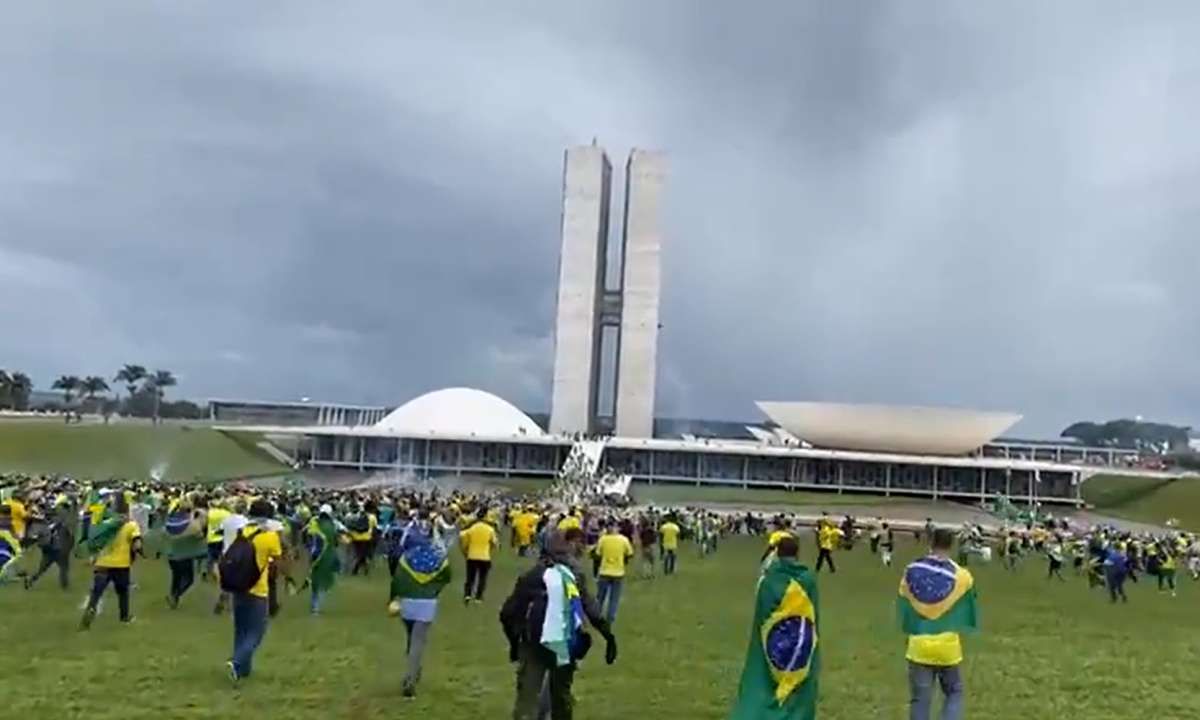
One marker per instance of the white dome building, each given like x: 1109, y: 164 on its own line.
x: 459, y: 412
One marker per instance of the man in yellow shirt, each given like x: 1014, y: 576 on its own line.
x: 478, y: 541
x: 18, y: 515
x: 828, y: 538
x: 669, y: 538
x: 121, y: 541
x: 524, y: 529
x: 250, y: 608
x: 213, y: 519
x: 614, y: 552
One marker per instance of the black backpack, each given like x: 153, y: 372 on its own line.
x: 238, y: 566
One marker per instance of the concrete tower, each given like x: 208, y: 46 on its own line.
x: 637, y: 357
x: 587, y: 190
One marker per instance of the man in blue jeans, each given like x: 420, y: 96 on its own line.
x: 614, y: 551
x: 250, y: 609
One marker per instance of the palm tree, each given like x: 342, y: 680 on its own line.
x: 19, y: 387
x: 130, y: 376
x: 157, y: 382
x: 93, y: 385
x: 69, y: 386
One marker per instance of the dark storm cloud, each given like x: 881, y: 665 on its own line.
x: 978, y: 204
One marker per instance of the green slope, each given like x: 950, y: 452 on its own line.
x: 1146, y: 499
x: 131, y: 451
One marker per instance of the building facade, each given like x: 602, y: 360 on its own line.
x: 587, y: 196
x: 641, y: 282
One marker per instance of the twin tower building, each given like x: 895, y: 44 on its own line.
x: 607, y: 302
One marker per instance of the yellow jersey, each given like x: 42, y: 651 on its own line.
x: 614, y: 551
x: 478, y: 541
x: 118, y: 554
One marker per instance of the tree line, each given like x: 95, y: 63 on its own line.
x: 144, y: 394
x: 1135, y: 434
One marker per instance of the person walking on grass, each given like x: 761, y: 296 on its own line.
x: 937, y: 602
x: 422, y: 571
x: 114, y: 543
x: 244, y: 571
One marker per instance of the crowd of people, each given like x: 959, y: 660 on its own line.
x: 255, y: 543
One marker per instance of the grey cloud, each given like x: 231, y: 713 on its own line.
x: 938, y: 203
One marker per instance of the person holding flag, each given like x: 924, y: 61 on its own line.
x: 780, y: 676
x: 937, y: 601
x: 422, y: 572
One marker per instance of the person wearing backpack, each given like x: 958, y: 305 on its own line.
x: 243, y: 570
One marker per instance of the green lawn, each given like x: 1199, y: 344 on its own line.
x: 130, y: 451
x: 1045, y: 651
x: 1143, y: 499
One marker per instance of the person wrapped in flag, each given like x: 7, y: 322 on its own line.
x: 186, y: 547
x: 937, y: 601
x: 422, y: 572
x: 10, y: 545
x: 780, y: 677
x: 323, y: 535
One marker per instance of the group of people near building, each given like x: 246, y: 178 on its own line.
x: 253, y: 543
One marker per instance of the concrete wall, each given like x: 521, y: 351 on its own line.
x: 587, y: 182
x: 637, y: 361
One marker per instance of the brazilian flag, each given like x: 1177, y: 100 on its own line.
x: 10, y: 550
x: 178, y: 523
x: 937, y: 596
x: 322, y: 552
x: 779, y: 679
x: 423, y: 570
x: 103, y: 533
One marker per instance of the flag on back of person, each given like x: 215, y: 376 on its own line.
x: 937, y: 596
x: 422, y: 572
x: 177, y: 523
x: 780, y: 676
x: 322, y: 551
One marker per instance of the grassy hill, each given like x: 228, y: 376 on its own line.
x: 1146, y: 499
x: 131, y: 451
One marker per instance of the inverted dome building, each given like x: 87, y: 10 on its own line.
x: 889, y: 429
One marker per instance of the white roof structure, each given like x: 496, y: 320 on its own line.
x: 881, y: 428
x: 459, y: 411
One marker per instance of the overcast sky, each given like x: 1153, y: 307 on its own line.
x: 982, y: 204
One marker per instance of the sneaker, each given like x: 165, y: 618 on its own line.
x: 172, y: 602
x: 409, y: 691
x: 233, y: 673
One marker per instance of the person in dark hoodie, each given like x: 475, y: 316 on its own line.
x: 541, y: 660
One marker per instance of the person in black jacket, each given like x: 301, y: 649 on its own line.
x: 522, y: 617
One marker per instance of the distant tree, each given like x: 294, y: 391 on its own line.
x: 18, y: 390
x: 1130, y: 434
x: 157, y: 383
x: 92, y: 387
x: 182, y: 410
x: 69, y: 386
x: 131, y: 376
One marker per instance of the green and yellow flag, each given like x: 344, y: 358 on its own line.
x: 779, y: 679
x: 937, y: 596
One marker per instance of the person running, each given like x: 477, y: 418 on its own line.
x: 245, y: 569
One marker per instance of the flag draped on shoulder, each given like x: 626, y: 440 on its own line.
x: 101, y: 534
x: 780, y: 678
x: 421, y: 573
x: 937, y: 596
